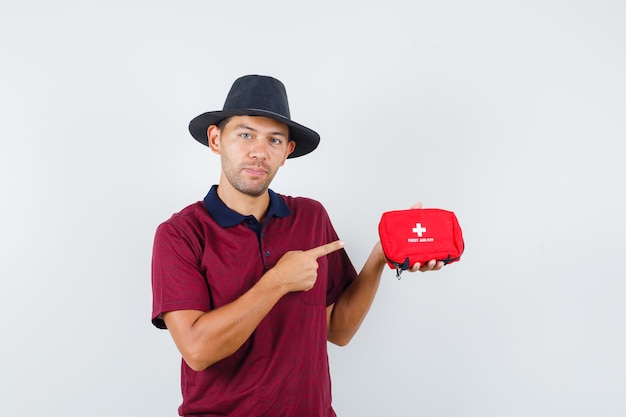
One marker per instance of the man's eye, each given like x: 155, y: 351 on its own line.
x: 275, y: 141
x: 246, y: 135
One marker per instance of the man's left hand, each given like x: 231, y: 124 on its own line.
x: 431, y: 265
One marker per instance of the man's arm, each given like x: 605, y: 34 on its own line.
x: 346, y: 315
x: 204, y: 338
x: 348, y: 312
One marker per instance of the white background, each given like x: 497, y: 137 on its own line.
x: 510, y: 113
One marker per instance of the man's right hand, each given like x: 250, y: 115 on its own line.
x: 297, y: 270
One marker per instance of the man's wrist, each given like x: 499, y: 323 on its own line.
x: 378, y: 254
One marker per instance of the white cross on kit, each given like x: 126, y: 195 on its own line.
x: 419, y: 229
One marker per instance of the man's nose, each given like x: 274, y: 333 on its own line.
x: 258, y: 149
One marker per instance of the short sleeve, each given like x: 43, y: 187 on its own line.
x: 341, y: 272
x: 177, y: 280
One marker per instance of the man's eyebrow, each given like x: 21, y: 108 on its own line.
x: 245, y: 127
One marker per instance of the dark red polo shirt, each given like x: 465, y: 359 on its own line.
x: 206, y: 256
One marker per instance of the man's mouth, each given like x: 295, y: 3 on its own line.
x: 255, y: 171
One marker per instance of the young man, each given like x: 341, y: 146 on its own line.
x: 252, y: 284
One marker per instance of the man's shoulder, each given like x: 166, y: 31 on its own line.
x: 305, y: 210
x: 188, y: 216
x: 302, y: 203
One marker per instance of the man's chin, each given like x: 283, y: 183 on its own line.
x: 255, y: 187
x: 253, y: 191
x: 256, y: 193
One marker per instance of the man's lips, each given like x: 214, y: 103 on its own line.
x: 255, y: 171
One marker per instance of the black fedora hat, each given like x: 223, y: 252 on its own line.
x: 257, y: 95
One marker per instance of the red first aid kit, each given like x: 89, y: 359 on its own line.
x: 420, y: 235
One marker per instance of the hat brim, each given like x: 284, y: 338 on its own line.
x: 306, y: 139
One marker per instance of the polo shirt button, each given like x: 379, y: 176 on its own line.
x: 267, y: 253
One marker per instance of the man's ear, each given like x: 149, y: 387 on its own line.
x: 213, y: 136
x: 291, y: 145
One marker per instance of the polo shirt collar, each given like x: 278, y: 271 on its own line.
x: 227, y: 217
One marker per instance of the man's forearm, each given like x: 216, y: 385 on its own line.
x: 205, y: 338
x: 353, y: 305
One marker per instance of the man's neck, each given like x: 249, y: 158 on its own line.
x: 244, y: 204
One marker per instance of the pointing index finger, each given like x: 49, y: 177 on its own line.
x: 324, y: 250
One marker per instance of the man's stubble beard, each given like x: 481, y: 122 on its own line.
x: 236, y: 180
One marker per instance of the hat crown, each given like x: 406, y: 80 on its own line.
x: 258, y: 92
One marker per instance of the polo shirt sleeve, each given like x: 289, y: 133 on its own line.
x: 341, y: 272
x: 177, y: 280
x: 341, y: 275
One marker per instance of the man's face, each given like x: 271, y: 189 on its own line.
x: 252, y: 148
